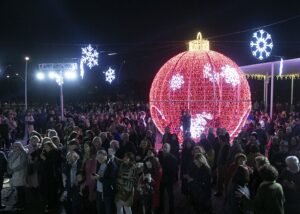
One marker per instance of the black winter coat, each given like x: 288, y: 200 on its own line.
x: 109, y: 178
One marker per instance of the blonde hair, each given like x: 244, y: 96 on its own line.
x: 97, y: 138
x: 201, y: 159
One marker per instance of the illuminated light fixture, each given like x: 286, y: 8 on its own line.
x: 40, y: 76
x: 26, y: 58
x: 89, y: 56
x: 261, y: 44
x: 70, y: 75
x: 52, y: 75
x: 280, y: 66
x: 208, y: 84
x: 7, y: 76
x: 110, y: 75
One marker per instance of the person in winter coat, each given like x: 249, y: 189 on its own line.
x: 51, y: 175
x: 169, y: 176
x: 269, y: 198
x: 262, y: 138
x: 89, y: 167
x: 186, y: 159
x: 221, y: 164
x: 33, y: 151
x: 234, y: 149
x: 71, y: 168
x: 125, y: 146
x: 80, y: 195
x: 209, y: 150
x: 239, y: 183
x: 199, y: 183
x: 152, y: 167
x: 290, y: 181
x: 105, y: 176
x: 3, y: 168
x: 126, y: 180
x: 239, y: 160
x: 175, y: 146
x: 142, y: 150
x: 255, y: 179
x: 17, y: 165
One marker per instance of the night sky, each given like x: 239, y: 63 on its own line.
x: 144, y: 33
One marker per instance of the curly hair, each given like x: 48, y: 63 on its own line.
x: 268, y: 172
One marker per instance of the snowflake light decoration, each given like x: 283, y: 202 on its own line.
x: 176, y: 82
x: 198, y: 124
x: 110, y: 75
x: 209, y: 73
x: 89, y: 56
x: 261, y: 44
x: 230, y: 75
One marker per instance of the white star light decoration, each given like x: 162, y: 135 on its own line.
x: 89, y: 56
x: 199, y: 123
x: 110, y: 75
x: 261, y: 44
x: 176, y: 82
x: 228, y: 73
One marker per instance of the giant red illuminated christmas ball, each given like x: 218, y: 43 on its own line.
x: 208, y: 84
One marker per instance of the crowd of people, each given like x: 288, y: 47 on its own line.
x: 103, y: 158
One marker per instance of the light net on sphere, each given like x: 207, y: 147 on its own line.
x: 211, y: 86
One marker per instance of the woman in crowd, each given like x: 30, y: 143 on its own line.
x: 238, y: 185
x: 290, y: 181
x: 17, y: 166
x: 71, y: 168
x: 126, y: 181
x: 186, y: 159
x: 106, y: 178
x: 239, y: 160
x: 89, y: 166
x: 33, y: 152
x: 174, y: 143
x: 255, y: 179
x: 199, y: 184
x: 269, y: 198
x: 51, y: 175
x: 152, y: 167
x: 97, y: 142
x: 142, y: 150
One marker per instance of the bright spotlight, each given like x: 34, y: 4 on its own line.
x: 40, y: 76
x: 27, y: 58
x: 52, y: 75
x: 70, y: 75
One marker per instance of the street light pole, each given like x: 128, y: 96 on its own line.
x: 61, y: 96
x: 26, y: 65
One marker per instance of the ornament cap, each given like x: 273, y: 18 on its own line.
x: 199, y: 44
